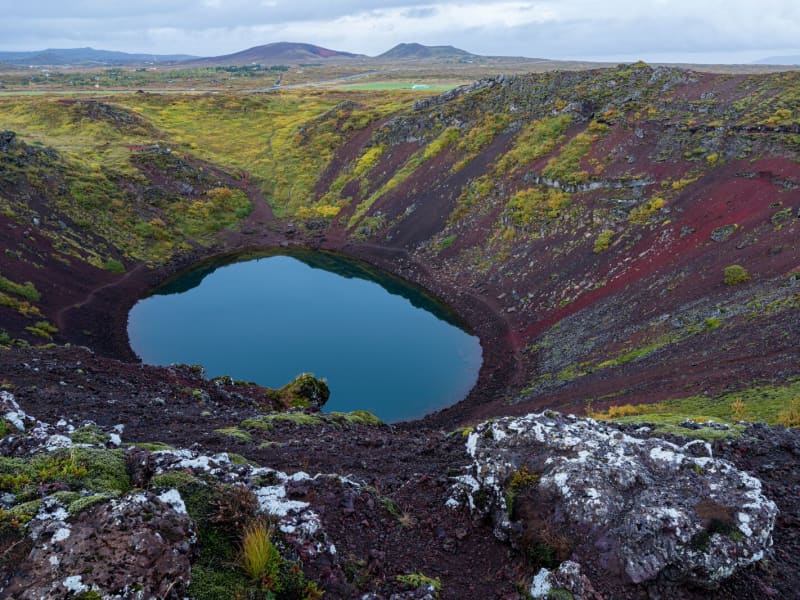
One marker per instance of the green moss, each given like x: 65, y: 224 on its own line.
x: 81, y: 504
x: 446, y: 242
x: 25, y: 511
x: 267, y: 422
x: 7, y: 428
x: 635, y: 354
x: 238, y: 459
x: 15, y: 473
x: 540, y: 555
x: 66, y: 498
x: 702, y: 539
x: 367, y: 161
x: 762, y: 403
x: 173, y: 479
x: 235, y: 433
x: 22, y: 476
x: 114, y: 266
x: 559, y: 594
x: 25, y: 290
x: 152, y: 446
x: 219, y: 208
x: 357, y: 417
x: 418, y: 580
x: 447, y: 138
x: 209, y: 583
x: 23, y: 307
x: 336, y: 419
x: 305, y: 391
x: 106, y: 469
x: 43, y: 329
x: 89, y: 434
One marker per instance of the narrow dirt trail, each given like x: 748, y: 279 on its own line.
x: 59, y: 317
x: 262, y: 213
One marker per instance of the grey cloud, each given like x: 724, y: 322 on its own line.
x: 573, y: 28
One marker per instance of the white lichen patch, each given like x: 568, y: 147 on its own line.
x: 173, y: 499
x: 51, y: 510
x: 272, y: 501
x: 74, y: 584
x: 58, y: 441
x: 666, y: 455
x: 638, y: 494
x: 540, y: 586
x: 15, y: 419
x: 744, y: 523
x: 61, y: 534
x: 472, y: 443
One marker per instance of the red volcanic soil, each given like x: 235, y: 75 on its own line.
x: 726, y: 198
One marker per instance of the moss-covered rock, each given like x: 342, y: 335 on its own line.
x: 306, y: 391
x: 80, y: 504
x: 106, y: 471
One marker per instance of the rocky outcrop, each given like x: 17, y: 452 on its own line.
x: 138, y: 546
x: 646, y: 508
x: 68, y: 499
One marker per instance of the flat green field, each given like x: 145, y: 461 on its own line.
x: 399, y: 85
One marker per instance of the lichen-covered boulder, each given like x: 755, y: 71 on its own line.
x: 297, y: 520
x: 645, y: 508
x: 566, y: 580
x: 138, y: 546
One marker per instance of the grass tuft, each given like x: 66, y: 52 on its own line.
x: 258, y: 557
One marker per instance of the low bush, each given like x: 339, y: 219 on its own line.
x: 735, y: 275
x: 603, y: 241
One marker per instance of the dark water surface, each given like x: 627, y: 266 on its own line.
x: 382, y: 345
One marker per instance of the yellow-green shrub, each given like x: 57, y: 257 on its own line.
x: 735, y: 274
x: 603, y: 241
x: 533, y: 205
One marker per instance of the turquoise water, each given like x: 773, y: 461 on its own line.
x: 382, y: 346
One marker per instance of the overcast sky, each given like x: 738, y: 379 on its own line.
x: 653, y: 30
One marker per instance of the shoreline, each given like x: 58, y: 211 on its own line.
x: 100, y: 323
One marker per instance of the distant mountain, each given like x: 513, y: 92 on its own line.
x: 84, y: 57
x: 278, y: 52
x: 780, y: 60
x: 420, y: 51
